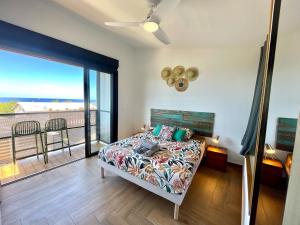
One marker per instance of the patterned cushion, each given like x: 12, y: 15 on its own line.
x: 189, y: 133
x: 166, y: 133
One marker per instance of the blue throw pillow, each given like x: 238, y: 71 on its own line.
x: 179, y: 135
x: 156, y: 130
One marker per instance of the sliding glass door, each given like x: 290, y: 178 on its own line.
x: 100, y: 124
x: 99, y: 107
x: 104, y: 106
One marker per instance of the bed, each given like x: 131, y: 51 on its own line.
x: 167, y: 173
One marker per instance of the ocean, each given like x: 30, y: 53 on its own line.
x: 17, y: 99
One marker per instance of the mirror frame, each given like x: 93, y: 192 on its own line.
x: 254, y: 179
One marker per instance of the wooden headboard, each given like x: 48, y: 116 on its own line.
x: 286, y: 133
x: 202, y: 123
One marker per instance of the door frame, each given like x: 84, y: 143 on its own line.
x: 113, y: 109
x: 21, y: 40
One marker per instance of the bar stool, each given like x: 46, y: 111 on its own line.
x: 54, y: 127
x: 26, y: 128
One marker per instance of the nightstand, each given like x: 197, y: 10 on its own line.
x: 272, y: 170
x: 216, y: 157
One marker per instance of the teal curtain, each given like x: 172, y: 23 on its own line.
x: 249, y: 139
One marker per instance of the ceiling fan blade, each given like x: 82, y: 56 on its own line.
x: 163, y: 8
x: 162, y: 36
x: 122, y: 24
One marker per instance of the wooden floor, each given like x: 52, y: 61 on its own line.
x: 75, y: 194
x: 270, y: 206
x: 32, y: 165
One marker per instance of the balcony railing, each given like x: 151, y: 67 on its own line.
x: 75, y: 121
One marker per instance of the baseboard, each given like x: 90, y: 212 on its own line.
x: 235, y: 165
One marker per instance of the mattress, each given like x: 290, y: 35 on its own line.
x: 171, y: 169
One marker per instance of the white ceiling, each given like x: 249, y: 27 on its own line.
x: 194, y: 23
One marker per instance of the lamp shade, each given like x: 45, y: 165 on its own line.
x: 269, y: 149
x: 216, y: 139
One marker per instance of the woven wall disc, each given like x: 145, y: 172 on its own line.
x: 181, y: 84
x: 166, y: 73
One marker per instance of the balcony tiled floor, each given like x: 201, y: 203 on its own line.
x: 32, y: 165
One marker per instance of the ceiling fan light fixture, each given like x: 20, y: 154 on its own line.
x: 150, y: 26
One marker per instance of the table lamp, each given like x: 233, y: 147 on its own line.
x: 216, y: 140
x: 270, y: 152
x: 146, y: 127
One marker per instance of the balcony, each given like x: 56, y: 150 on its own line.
x: 27, y: 163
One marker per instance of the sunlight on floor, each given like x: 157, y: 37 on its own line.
x: 9, y: 170
x: 29, y: 166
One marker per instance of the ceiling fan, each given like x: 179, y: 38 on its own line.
x: 158, y: 10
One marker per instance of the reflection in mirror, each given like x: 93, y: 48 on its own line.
x: 254, y: 139
x: 284, y: 109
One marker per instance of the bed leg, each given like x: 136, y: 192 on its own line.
x: 176, y: 212
x: 102, y: 172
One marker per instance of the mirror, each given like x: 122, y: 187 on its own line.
x: 254, y: 138
x: 284, y: 109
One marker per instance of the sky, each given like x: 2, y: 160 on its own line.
x: 31, y: 77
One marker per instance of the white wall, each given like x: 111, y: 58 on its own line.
x: 285, y: 93
x: 225, y: 86
x: 47, y: 18
x: 292, y: 206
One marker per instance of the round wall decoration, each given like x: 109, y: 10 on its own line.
x: 166, y: 73
x: 179, y: 77
x: 191, y: 73
x: 181, y: 84
x: 178, y: 71
x: 171, y: 81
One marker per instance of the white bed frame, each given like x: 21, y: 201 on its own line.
x: 175, y: 198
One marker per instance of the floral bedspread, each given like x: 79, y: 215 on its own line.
x: 171, y: 169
